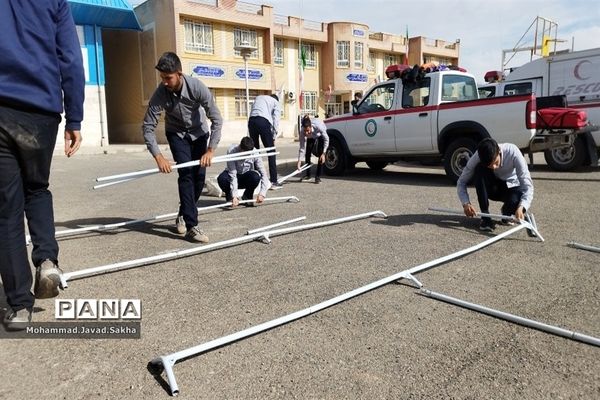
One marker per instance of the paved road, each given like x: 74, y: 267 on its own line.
x: 389, y: 343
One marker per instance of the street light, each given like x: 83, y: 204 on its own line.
x: 246, y: 49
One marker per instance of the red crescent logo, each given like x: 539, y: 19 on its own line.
x: 576, y: 70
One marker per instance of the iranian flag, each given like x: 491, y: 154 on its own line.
x: 301, y: 66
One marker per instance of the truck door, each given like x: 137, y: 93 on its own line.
x: 373, y: 127
x: 413, y: 123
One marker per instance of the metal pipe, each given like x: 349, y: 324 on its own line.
x: 228, y: 157
x: 65, y: 277
x: 530, y: 225
x: 266, y: 228
x: 168, y: 361
x: 515, y: 318
x: 583, y: 247
x: 157, y: 218
x: 296, y: 172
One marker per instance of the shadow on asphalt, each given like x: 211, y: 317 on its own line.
x: 458, y: 223
x: 394, y: 177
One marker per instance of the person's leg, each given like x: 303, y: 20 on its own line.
x: 319, y: 144
x: 309, y: 146
x: 182, y: 152
x: 224, y: 181
x: 248, y: 181
x: 254, y: 131
x: 487, y: 187
x: 14, y: 267
x: 199, y: 173
x: 511, y: 198
x: 266, y: 136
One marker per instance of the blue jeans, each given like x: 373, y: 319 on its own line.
x: 27, y: 140
x: 248, y: 180
x: 191, y: 179
x: 261, y: 127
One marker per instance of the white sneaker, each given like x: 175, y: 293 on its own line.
x: 47, y: 280
x: 180, y: 225
x: 196, y: 235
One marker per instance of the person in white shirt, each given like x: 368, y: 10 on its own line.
x: 244, y: 174
x: 264, y: 124
x: 313, y: 140
x: 499, y: 173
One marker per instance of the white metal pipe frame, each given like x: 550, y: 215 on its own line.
x: 265, y: 235
x: 555, y: 330
x: 533, y: 226
x: 296, y: 172
x: 167, y: 362
x: 156, y: 218
x: 129, y: 176
x: 584, y: 247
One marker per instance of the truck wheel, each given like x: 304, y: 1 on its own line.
x: 335, y: 158
x: 457, y: 155
x: 566, y: 158
x: 377, y: 165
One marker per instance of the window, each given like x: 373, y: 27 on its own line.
x: 416, y: 94
x: 379, y: 99
x: 198, y: 37
x: 343, y: 54
x: 241, y: 35
x: 458, y: 88
x: 309, y: 104
x: 371, y: 65
x: 240, y: 101
x: 310, y: 54
x: 488, y: 91
x: 389, y: 59
x: 358, y: 55
x: 278, y: 52
x: 517, y: 88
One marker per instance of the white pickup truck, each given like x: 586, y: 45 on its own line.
x: 436, y: 118
x: 575, y: 75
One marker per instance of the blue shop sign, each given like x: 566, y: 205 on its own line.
x: 208, y: 71
x: 253, y: 74
x: 358, y: 32
x: 361, y: 78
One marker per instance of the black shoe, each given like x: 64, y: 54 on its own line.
x: 317, y: 180
x: 276, y: 186
x: 487, y: 225
x: 306, y: 178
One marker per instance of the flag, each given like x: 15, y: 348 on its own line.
x: 301, y: 66
x: 406, y: 54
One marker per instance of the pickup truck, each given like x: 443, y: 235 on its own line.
x: 437, y: 117
x: 575, y: 75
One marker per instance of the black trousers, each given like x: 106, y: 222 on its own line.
x: 248, y: 180
x: 314, y: 146
x: 489, y: 187
x: 191, y: 180
x: 260, y: 127
x: 27, y: 141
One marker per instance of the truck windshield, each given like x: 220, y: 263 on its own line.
x: 458, y: 88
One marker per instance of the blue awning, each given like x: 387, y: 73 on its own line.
x: 115, y: 14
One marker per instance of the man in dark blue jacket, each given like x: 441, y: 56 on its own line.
x: 40, y: 70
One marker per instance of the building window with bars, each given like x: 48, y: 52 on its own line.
x: 240, y: 101
x: 246, y: 36
x: 343, y: 54
x: 198, y: 37
x: 389, y: 59
x: 371, y: 65
x: 309, y: 104
x: 278, y: 52
x: 358, y: 55
x: 310, y: 54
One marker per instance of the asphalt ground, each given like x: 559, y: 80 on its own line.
x: 389, y: 343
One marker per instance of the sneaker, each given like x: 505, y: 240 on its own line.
x: 196, y: 235
x: 47, y: 280
x: 487, y: 225
x: 306, y: 178
x: 275, y: 186
x: 508, y: 222
x: 250, y: 204
x: 317, y: 180
x: 17, y: 320
x: 180, y: 225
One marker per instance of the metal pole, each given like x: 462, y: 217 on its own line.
x: 65, y: 277
x: 168, y: 361
x: 266, y: 228
x: 583, y: 247
x: 515, y: 318
x: 245, y: 55
x: 296, y: 172
x: 157, y: 218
